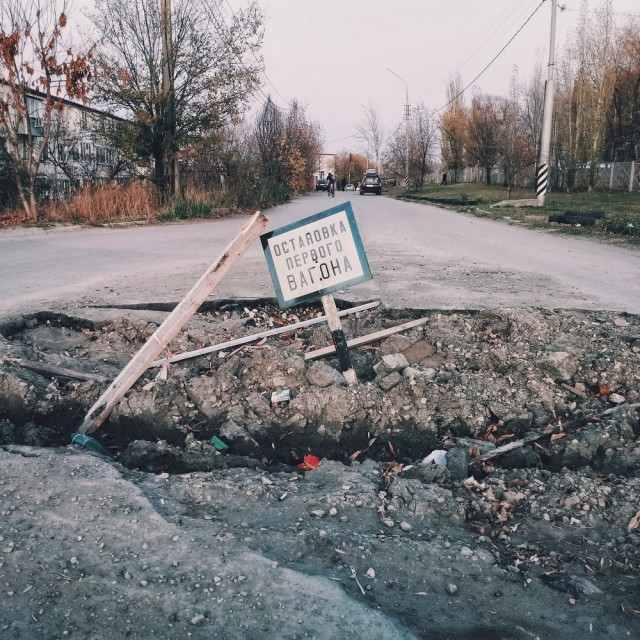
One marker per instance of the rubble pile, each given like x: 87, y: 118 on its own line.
x: 487, y: 376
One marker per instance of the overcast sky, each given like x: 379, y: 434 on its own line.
x: 333, y: 55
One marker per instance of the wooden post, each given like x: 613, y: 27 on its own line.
x: 339, y: 340
x: 371, y: 337
x: 172, y: 324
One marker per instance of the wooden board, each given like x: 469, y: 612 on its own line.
x: 257, y: 336
x: 372, y: 337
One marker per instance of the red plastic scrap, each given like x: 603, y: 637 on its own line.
x: 309, y: 463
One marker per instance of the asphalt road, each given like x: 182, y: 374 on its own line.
x: 420, y: 256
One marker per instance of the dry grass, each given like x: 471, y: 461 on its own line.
x: 136, y: 201
x: 106, y: 204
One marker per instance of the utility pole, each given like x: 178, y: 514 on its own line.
x: 542, y: 173
x: 406, y: 131
x: 169, y: 98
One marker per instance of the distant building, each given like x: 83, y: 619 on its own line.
x: 326, y: 165
x: 78, y: 151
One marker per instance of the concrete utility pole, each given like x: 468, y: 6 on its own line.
x: 406, y: 131
x: 168, y: 91
x: 542, y: 173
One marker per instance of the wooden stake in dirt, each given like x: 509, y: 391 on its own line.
x: 339, y: 340
x: 172, y: 324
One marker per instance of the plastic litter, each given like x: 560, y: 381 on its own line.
x: 218, y: 444
x: 87, y: 442
x: 309, y: 463
x: 281, y: 396
x: 438, y: 456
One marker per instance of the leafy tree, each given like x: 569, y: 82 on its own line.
x: 37, y: 67
x: 483, y: 132
x: 350, y: 165
x: 213, y: 66
x: 453, y: 127
x: 303, y: 146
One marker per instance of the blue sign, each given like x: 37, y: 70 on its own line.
x: 315, y: 256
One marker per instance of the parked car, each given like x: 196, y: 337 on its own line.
x: 321, y: 184
x: 371, y: 184
x: 349, y: 187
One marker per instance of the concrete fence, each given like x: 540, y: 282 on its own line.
x: 615, y: 176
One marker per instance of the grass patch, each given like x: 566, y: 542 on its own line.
x: 621, y: 208
x: 188, y: 209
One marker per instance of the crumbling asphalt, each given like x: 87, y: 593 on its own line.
x: 169, y: 536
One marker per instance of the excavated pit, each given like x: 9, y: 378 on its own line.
x: 465, y: 382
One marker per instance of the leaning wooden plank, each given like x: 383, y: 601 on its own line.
x: 165, y: 333
x: 257, y: 336
x: 58, y: 372
x: 371, y: 337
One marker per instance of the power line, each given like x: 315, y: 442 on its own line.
x: 264, y: 73
x: 490, y: 38
x: 494, y: 58
x: 225, y: 39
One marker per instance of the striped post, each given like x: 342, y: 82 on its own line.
x: 542, y: 179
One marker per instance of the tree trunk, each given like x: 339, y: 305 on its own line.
x: 488, y: 174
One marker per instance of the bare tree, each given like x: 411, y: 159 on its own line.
x: 371, y: 133
x: 82, y: 150
x: 214, y: 67
x: 270, y: 133
x: 623, y: 118
x: 532, y: 111
x: 422, y: 141
x: 37, y: 67
x: 517, y: 153
x: 585, y: 88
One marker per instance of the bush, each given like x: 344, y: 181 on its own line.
x: 274, y: 193
x: 620, y: 226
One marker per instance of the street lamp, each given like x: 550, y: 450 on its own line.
x: 406, y: 133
